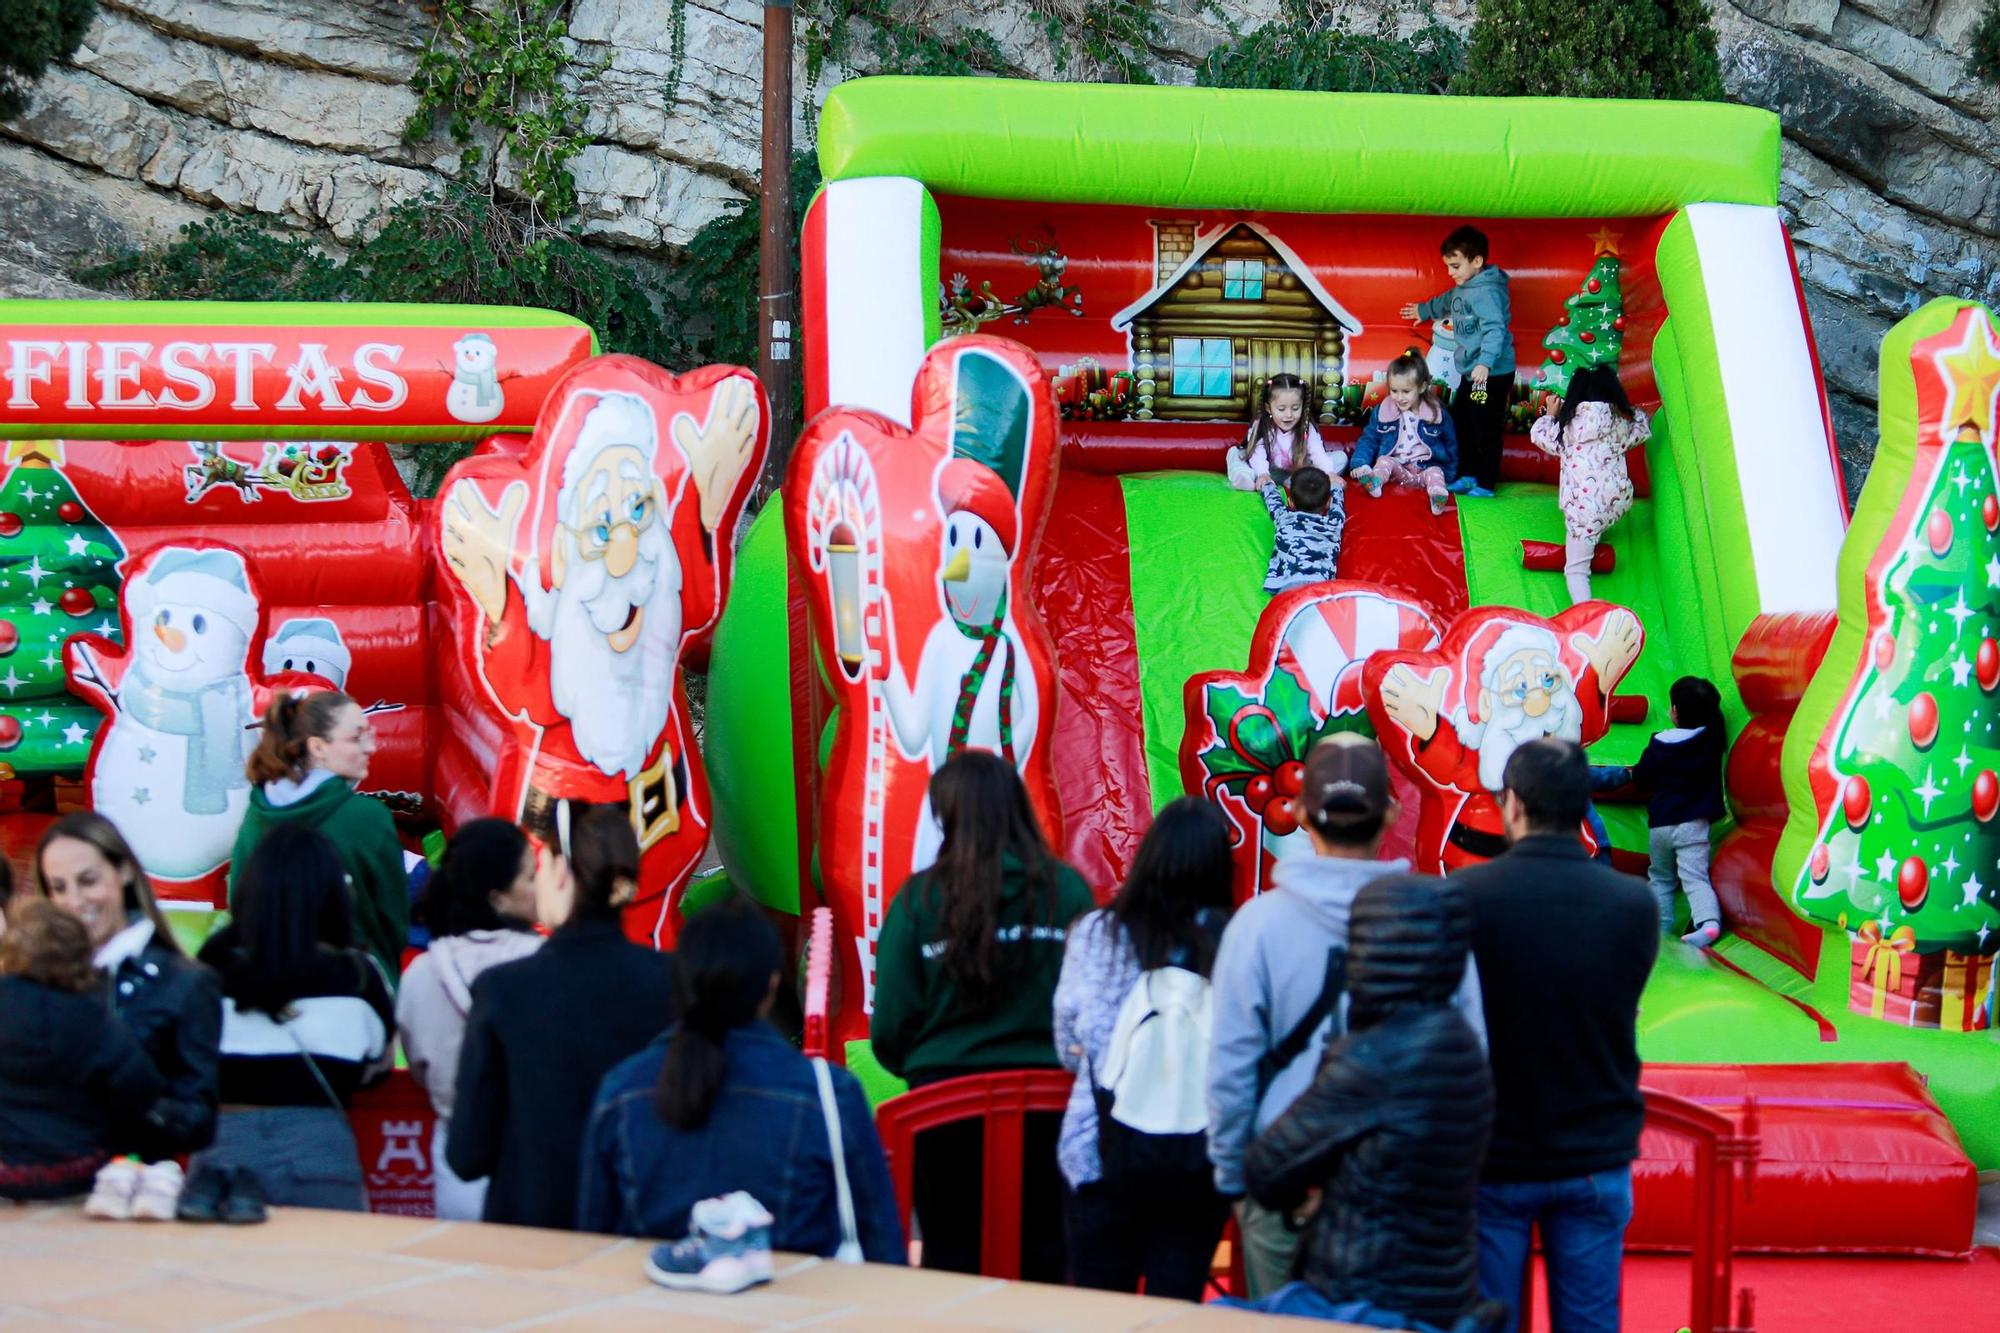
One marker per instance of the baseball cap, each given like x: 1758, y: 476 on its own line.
x: 1346, y: 791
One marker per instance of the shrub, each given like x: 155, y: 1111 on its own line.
x: 37, y: 34
x: 1297, y: 51
x: 1984, y: 58
x: 1607, y: 48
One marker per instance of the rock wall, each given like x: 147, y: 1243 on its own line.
x: 293, y: 110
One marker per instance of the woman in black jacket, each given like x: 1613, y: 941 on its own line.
x: 1393, y: 1130
x: 545, y: 1029
x: 173, y: 1006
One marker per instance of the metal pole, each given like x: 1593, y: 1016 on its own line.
x: 777, y: 302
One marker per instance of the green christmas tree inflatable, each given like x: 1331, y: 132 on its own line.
x: 58, y: 577
x: 1591, y: 331
x: 1908, y: 858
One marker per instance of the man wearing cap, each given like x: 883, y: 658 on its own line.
x: 1563, y: 1041
x: 1278, y: 981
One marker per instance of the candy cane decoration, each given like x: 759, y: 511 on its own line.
x: 845, y: 548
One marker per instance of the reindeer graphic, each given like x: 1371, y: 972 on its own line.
x: 213, y: 468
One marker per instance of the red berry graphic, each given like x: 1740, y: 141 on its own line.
x: 10, y: 638
x: 1279, y: 819
x: 1593, y: 286
x: 69, y: 511
x: 1985, y: 795
x: 10, y: 732
x: 1924, y: 720
x: 1854, y: 801
x: 11, y: 525
x: 1587, y: 336
x: 1885, y: 650
x: 1619, y: 323
x: 77, y: 602
x: 1986, y: 663
x: 1557, y: 356
x: 1819, y: 864
x: 1291, y: 779
x: 1257, y: 794
x: 1938, y: 531
x: 1913, y: 883
x: 1990, y: 511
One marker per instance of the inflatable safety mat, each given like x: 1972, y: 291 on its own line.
x: 1853, y: 1159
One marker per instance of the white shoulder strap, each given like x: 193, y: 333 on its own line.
x: 850, y: 1236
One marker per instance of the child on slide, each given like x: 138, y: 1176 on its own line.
x: 1589, y: 429
x: 1305, y: 546
x: 1281, y: 439
x: 1408, y: 440
x: 1680, y: 774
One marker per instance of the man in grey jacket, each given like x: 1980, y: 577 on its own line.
x: 1273, y: 969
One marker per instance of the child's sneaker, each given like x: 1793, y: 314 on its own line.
x: 112, y: 1194
x: 1703, y: 935
x: 727, y: 1249
x: 159, y: 1192
x: 1438, y: 502
x: 1374, y: 485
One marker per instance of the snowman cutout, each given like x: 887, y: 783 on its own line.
x: 474, y: 396
x: 168, y: 770
x: 310, y: 646
x: 1442, y: 359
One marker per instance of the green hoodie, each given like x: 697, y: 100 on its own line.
x: 1480, y: 312
x: 364, y: 834
x: 922, y: 1028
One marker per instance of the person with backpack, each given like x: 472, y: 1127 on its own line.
x: 1132, y: 1021
x: 1280, y: 975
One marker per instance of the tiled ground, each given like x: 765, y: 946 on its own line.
x: 336, y: 1271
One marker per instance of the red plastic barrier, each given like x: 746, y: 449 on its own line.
x: 1776, y: 658
x: 1853, y: 1159
x: 1755, y: 774
x: 392, y: 1123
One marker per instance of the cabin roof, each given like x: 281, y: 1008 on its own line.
x: 1207, y: 241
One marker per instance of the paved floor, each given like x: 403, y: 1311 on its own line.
x: 356, y: 1273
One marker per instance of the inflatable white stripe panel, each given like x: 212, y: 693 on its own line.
x: 875, y: 295
x: 1789, y: 497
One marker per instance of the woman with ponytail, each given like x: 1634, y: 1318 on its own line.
x: 312, y: 754
x: 965, y: 981
x: 722, y: 1102
x: 480, y: 908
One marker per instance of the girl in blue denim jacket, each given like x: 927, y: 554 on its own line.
x: 1408, y: 440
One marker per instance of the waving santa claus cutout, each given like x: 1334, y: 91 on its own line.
x: 580, y: 573
x: 915, y: 548
x: 1452, y: 718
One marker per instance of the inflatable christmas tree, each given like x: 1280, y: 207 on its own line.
x: 1907, y: 857
x: 1591, y: 331
x: 58, y: 577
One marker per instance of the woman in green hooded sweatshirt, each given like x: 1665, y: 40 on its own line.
x: 313, y: 753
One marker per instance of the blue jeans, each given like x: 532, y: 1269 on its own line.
x: 1583, y: 1245
x: 1305, y: 1301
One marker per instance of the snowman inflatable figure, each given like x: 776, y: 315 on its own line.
x: 474, y: 396
x: 311, y: 645
x: 169, y: 771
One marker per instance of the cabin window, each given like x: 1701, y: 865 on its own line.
x: 1201, y: 367
x: 1242, y: 279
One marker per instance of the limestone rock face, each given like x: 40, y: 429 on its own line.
x: 293, y: 111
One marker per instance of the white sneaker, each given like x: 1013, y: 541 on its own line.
x: 159, y: 1192
x: 1703, y: 935
x: 727, y: 1248
x: 112, y: 1193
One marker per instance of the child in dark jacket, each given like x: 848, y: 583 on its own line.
x: 1392, y: 1132
x: 1305, y: 545
x: 68, y: 1068
x: 1681, y: 776
x: 1408, y: 440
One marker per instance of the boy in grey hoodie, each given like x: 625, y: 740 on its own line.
x: 1480, y: 312
x: 1272, y: 968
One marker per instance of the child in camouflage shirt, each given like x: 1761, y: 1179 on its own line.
x: 1307, y: 545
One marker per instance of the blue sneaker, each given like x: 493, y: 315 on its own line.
x: 727, y: 1248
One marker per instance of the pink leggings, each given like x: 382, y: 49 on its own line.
x: 1391, y: 473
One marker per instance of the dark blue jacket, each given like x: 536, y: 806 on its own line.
x: 1378, y: 439
x: 765, y: 1134
x: 1681, y: 774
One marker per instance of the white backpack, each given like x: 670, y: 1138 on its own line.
x: 1152, y: 1110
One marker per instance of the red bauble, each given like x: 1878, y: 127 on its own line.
x: 1985, y: 795
x: 1938, y: 531
x: 1913, y: 883
x: 1854, y: 801
x: 1587, y: 336
x: 77, y: 602
x: 1593, y: 286
x: 1990, y: 511
x: 1291, y: 778
x: 10, y: 638
x: 1986, y: 663
x: 1563, y: 319
x: 1819, y: 864
x: 10, y: 732
x: 1257, y: 794
x: 1924, y: 720
x: 1278, y: 818
x: 1885, y: 650
x: 1619, y: 323
x: 11, y: 525
x: 69, y: 511
x: 1557, y: 356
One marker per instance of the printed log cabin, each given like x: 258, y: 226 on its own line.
x: 1233, y: 306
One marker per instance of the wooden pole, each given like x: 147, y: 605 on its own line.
x: 777, y: 300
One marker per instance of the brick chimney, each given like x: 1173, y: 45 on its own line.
x: 1173, y: 242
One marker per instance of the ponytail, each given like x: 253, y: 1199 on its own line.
x: 726, y: 958
x: 1413, y: 364
x: 293, y: 718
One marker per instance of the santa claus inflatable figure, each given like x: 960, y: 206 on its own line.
x: 1452, y: 718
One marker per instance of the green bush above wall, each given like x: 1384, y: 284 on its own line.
x: 35, y: 34
x: 1605, y: 48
